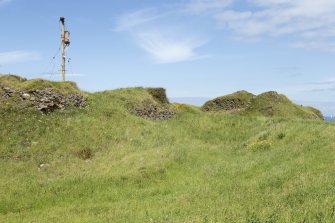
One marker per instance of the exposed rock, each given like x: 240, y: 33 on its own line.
x: 7, y: 92
x: 234, y: 102
x: 26, y: 96
x: 46, y: 100
x: 150, y: 110
x: 227, y: 105
x: 43, y: 166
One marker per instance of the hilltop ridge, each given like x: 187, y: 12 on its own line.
x: 53, y: 95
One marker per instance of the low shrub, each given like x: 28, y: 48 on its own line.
x: 159, y: 94
x: 281, y: 135
x: 84, y: 154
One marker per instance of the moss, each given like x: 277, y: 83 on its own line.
x: 159, y: 94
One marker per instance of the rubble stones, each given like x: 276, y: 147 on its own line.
x: 226, y: 105
x: 46, y: 100
x: 153, y: 111
x: 26, y: 96
x: 7, y: 92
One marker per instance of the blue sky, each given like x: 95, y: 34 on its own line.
x: 193, y: 48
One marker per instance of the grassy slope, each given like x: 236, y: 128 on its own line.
x: 194, y: 168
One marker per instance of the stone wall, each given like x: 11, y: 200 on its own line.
x: 45, y: 100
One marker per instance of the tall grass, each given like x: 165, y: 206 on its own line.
x: 102, y: 164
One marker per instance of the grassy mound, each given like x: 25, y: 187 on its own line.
x: 103, y: 164
x: 266, y: 104
x: 235, y: 102
x: 21, y: 84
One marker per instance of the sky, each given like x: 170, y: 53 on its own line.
x: 194, y: 48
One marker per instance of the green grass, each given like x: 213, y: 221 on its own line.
x: 102, y: 164
x: 19, y: 83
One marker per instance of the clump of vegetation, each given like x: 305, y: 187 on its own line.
x: 281, y: 136
x: 84, y: 154
x: 159, y: 94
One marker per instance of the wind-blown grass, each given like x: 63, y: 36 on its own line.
x: 102, y: 164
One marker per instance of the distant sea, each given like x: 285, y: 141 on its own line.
x: 190, y: 100
x: 329, y: 118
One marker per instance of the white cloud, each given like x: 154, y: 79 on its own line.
x: 18, y: 56
x: 168, y: 50
x: 157, y: 35
x: 311, y: 22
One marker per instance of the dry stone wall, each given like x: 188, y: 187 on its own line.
x: 45, y: 100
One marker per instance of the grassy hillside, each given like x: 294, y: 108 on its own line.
x: 266, y: 104
x: 103, y: 164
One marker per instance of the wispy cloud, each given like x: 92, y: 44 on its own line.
x: 2, y: 2
x: 18, y: 57
x: 168, y: 50
x: 326, y: 82
x: 323, y: 89
x: 133, y: 19
x: 309, y: 22
x: 200, y: 6
x: 321, y: 86
x: 153, y: 32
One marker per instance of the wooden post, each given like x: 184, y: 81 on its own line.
x: 62, y: 21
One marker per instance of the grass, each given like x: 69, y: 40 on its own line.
x: 102, y: 164
x: 269, y: 104
x: 19, y: 83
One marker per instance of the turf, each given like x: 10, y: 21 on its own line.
x: 102, y: 164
